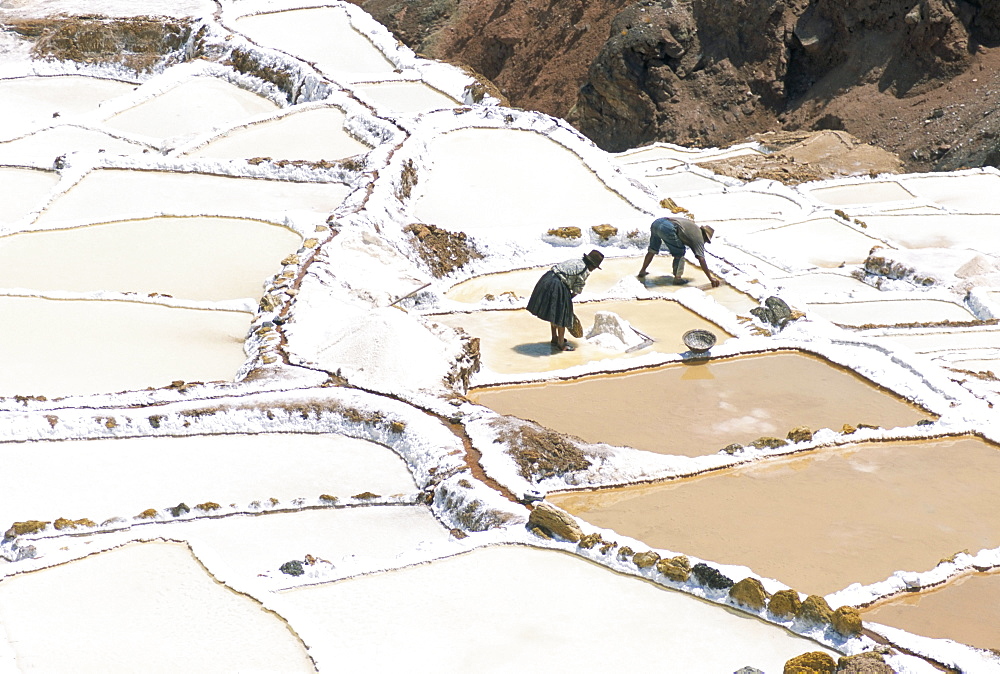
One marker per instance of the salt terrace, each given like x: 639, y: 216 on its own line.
x: 272, y: 400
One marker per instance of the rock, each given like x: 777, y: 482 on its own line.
x: 815, y: 610
x: 765, y: 442
x: 800, y: 434
x: 644, y: 560
x: 784, y: 604
x: 590, y: 540
x: 566, y: 232
x: 749, y: 592
x: 292, y: 568
x: 816, y: 662
x: 711, y: 577
x: 179, y: 509
x: 846, y: 620
x: 557, y: 522
x: 676, y: 568
x: 863, y: 663
x: 26, y: 527
x: 749, y: 670
x: 604, y: 232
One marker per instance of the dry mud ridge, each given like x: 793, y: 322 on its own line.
x: 918, y: 79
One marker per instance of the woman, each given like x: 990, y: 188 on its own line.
x: 552, y: 298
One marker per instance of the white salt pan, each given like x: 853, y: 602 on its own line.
x: 510, y: 609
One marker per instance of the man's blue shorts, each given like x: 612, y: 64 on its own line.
x: 664, y: 231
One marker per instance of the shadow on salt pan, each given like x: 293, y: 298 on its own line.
x: 107, y: 195
x: 68, y: 347
x: 194, y: 106
x: 505, y: 609
x: 24, y: 190
x: 527, y: 185
x: 190, y: 258
x: 697, y: 408
x: 513, y: 341
x: 966, y: 610
x: 822, y: 520
x: 321, y: 35
x: 310, y: 135
x: 39, y: 101
x: 127, y: 610
x: 58, y: 477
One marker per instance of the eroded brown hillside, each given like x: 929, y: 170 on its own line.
x: 920, y: 79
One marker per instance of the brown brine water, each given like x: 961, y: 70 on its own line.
x: 821, y: 520
x: 699, y: 407
x: 966, y: 610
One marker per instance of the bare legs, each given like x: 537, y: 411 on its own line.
x: 559, y: 337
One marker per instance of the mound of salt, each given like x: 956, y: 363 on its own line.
x: 611, y: 331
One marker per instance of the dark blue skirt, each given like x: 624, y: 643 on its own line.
x: 551, y: 300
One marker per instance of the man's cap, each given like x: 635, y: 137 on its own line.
x: 707, y: 232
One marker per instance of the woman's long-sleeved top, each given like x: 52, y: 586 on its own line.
x: 573, y: 273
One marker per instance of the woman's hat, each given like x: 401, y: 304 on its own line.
x: 707, y: 232
x: 594, y: 257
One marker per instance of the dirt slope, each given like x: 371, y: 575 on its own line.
x: 919, y: 78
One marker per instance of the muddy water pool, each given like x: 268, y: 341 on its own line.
x: 821, y: 520
x: 698, y: 408
x: 513, y: 341
x: 966, y: 610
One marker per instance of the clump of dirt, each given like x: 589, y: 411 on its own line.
x: 801, y: 156
x: 248, y: 62
x: 139, y: 43
x: 441, y: 250
x: 540, y: 453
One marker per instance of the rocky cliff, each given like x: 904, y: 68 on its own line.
x: 920, y: 78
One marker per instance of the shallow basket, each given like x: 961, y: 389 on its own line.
x: 699, y: 340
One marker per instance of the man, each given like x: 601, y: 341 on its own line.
x: 678, y: 234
